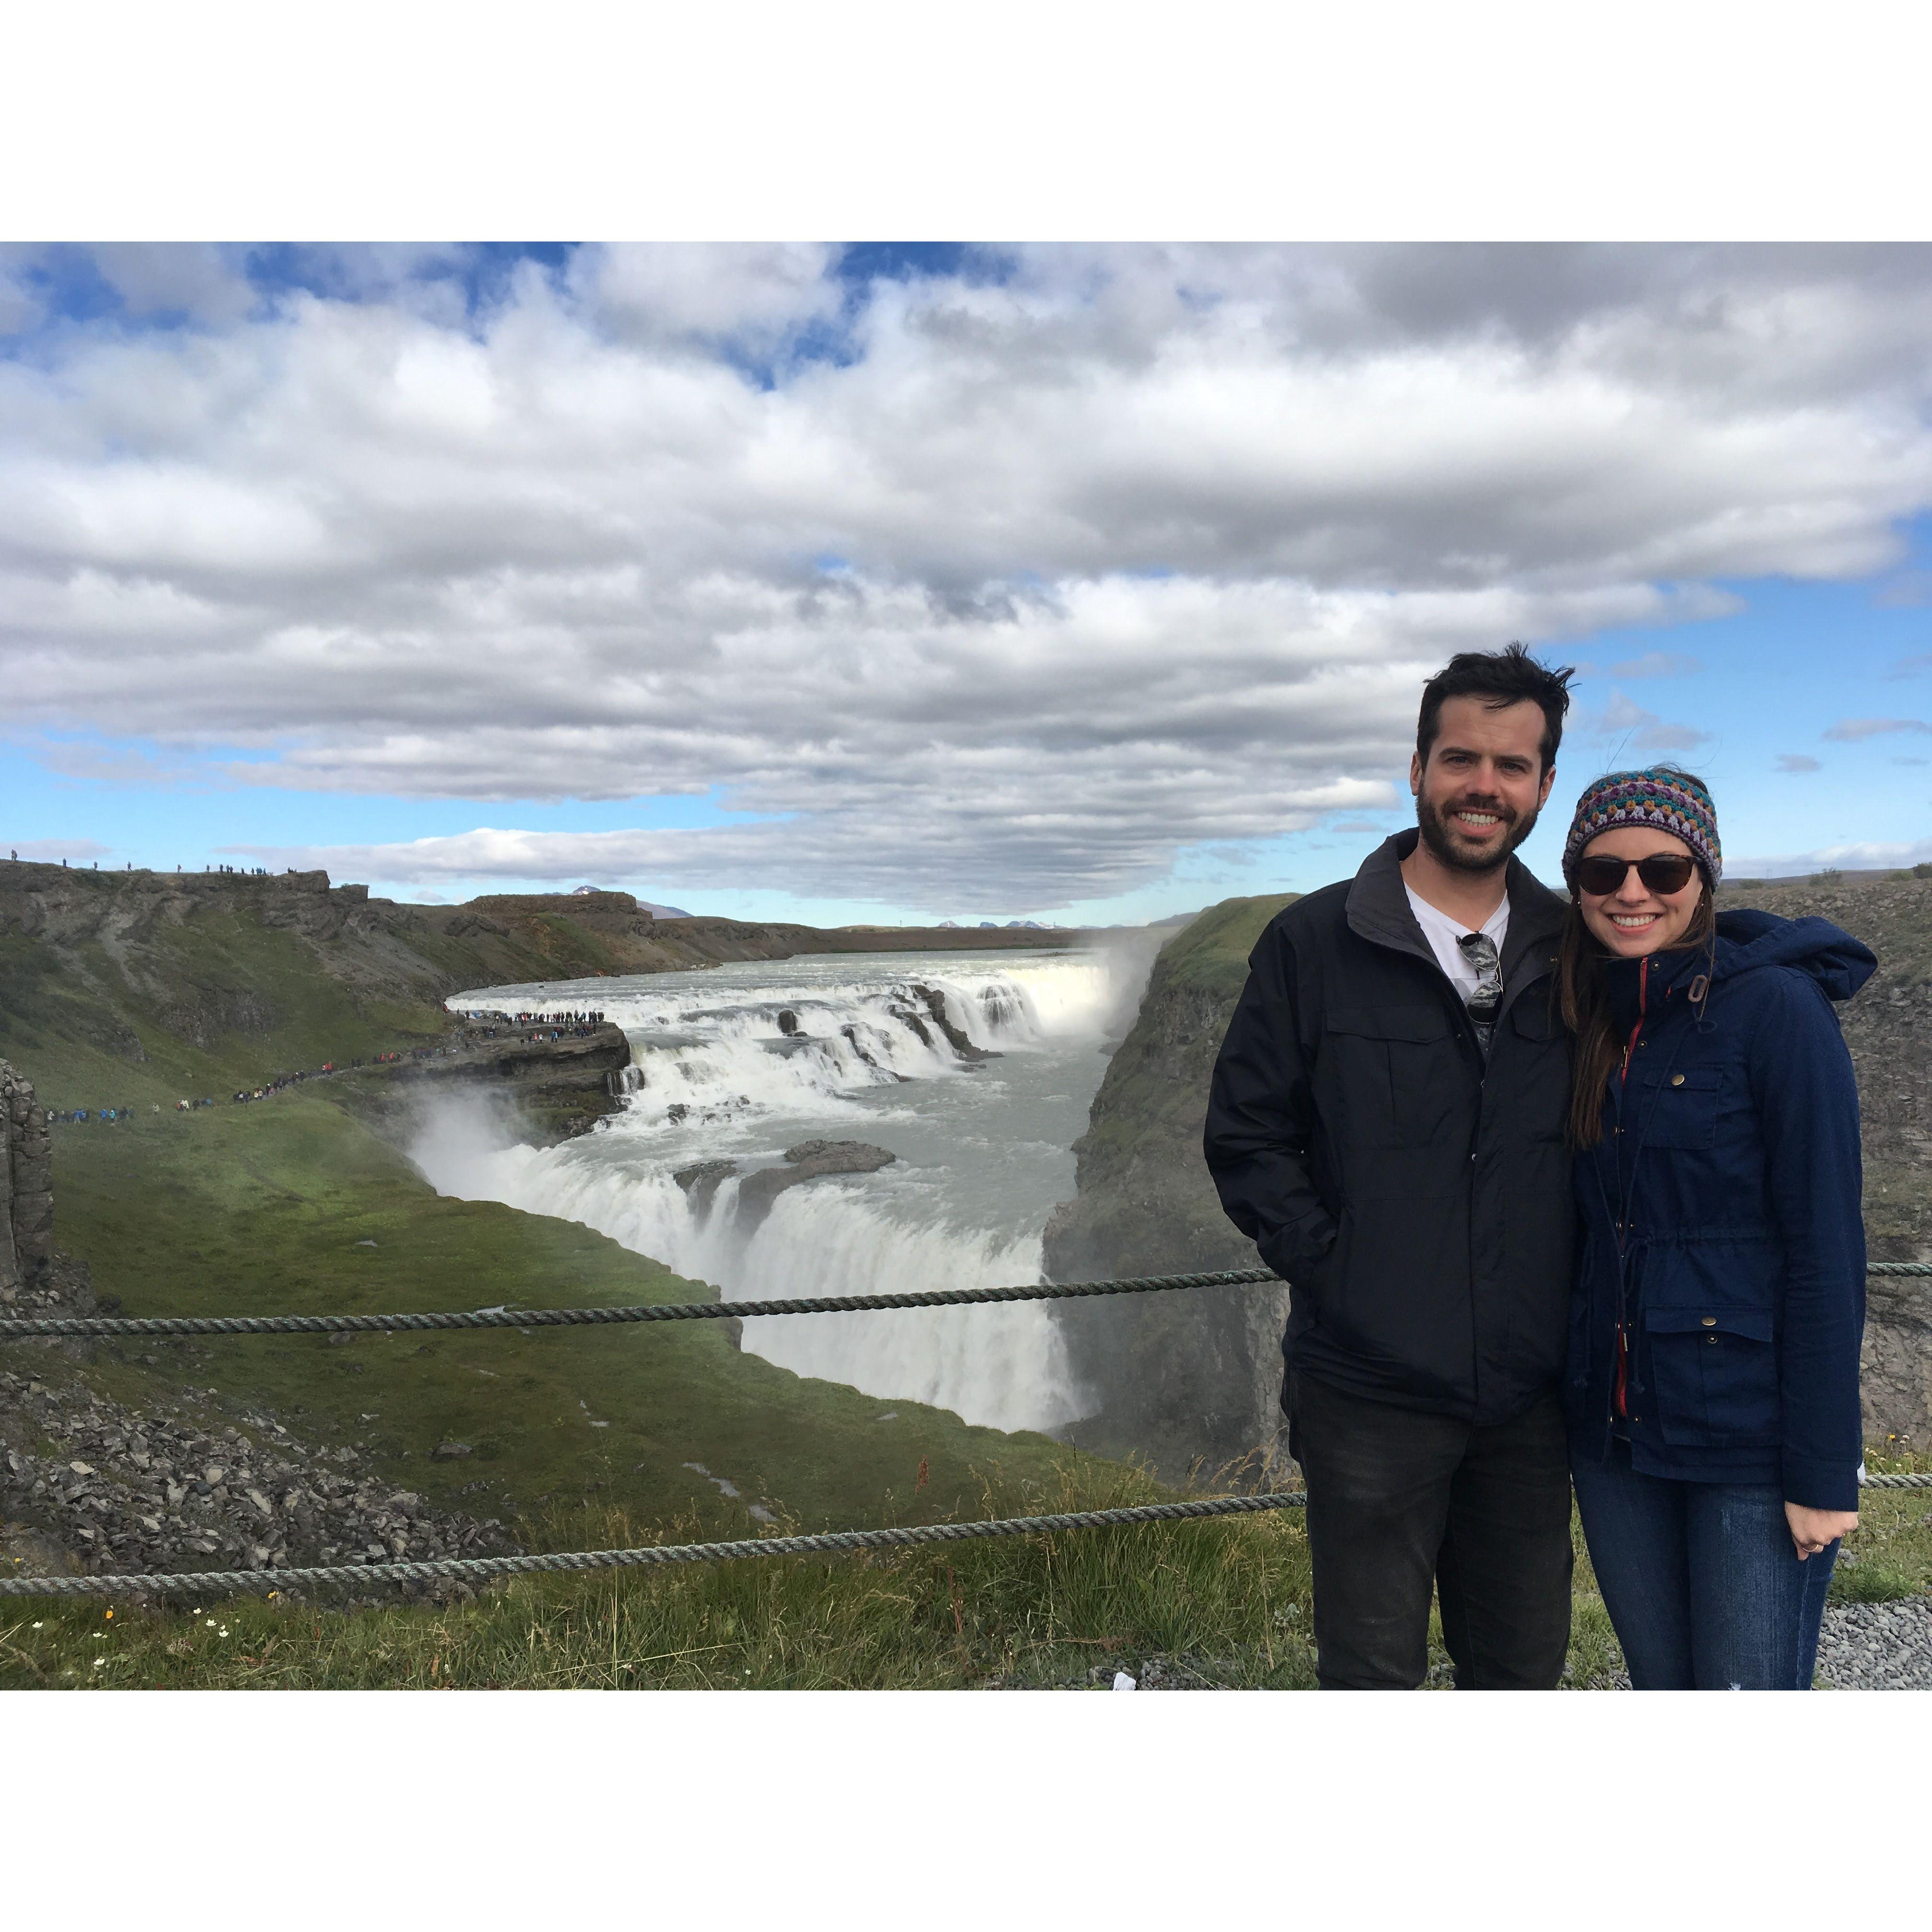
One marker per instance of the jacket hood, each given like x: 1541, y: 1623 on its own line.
x: 1839, y: 963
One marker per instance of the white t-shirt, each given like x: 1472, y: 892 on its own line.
x: 1442, y: 932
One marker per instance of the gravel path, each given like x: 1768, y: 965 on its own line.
x: 1876, y: 1646
x: 1861, y: 1647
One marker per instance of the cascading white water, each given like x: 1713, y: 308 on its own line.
x: 983, y: 1151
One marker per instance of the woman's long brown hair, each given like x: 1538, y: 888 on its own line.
x: 1585, y: 1002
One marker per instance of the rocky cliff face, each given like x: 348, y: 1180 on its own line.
x: 1888, y: 1028
x: 170, y: 937
x: 1195, y: 1375
x: 26, y: 1186
x: 553, y: 1083
x: 1186, y: 1376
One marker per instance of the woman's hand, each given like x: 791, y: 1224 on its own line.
x: 1814, y: 1531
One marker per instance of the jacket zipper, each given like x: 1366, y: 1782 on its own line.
x: 1619, y: 1392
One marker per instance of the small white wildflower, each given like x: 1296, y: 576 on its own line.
x: 37, y: 1626
x: 98, y: 1662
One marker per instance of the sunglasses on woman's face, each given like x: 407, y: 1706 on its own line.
x: 1663, y: 872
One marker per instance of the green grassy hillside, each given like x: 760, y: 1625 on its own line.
x: 263, y: 1209
x: 219, y: 1003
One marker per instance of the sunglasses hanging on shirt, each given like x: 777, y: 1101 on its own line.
x: 1479, y: 950
x: 1663, y: 872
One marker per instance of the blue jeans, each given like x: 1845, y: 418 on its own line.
x: 1701, y: 1580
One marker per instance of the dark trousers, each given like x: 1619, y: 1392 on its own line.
x: 1701, y: 1581
x: 1399, y: 1502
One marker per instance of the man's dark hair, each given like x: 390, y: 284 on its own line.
x: 1500, y: 679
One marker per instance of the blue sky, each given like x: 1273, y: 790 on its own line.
x: 896, y: 581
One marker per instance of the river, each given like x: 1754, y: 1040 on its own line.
x: 982, y: 1148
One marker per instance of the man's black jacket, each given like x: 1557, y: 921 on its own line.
x: 1417, y: 1198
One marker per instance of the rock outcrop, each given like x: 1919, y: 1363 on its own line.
x: 101, y: 1488
x: 810, y: 1160
x: 26, y: 1186
x: 559, y: 1080
x: 1180, y: 1377
x: 934, y: 1001
x: 701, y: 1180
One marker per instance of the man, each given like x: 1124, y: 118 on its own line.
x: 1386, y: 1123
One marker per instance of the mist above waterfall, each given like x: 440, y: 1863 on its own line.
x: 734, y: 1066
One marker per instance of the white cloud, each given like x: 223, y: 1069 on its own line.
x: 20, y: 308
x: 1853, y: 730
x: 647, y: 289
x: 1868, y: 857
x: 175, y: 278
x: 52, y: 851
x: 1640, y: 730
x: 1095, y: 834
x: 1657, y: 664
x: 1908, y: 590
x: 1030, y: 586
x: 1796, y: 764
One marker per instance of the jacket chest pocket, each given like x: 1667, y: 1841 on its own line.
x: 1680, y: 1110
x: 1393, y: 1078
x: 1714, y: 1376
x: 1539, y: 1091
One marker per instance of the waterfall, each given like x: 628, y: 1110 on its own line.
x: 977, y: 1078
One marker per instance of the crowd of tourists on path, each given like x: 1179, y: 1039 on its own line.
x: 247, y: 871
x: 79, y: 1116
x: 1567, y: 1193
x: 558, y: 1026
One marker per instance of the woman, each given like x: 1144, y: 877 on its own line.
x: 1712, y: 1388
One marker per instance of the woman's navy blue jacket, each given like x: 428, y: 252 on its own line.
x: 1721, y: 1233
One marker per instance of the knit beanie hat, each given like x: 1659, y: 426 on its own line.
x: 1660, y: 796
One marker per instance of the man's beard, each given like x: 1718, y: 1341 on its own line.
x: 1440, y: 837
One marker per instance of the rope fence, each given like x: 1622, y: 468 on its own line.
x: 99, y: 1327
x: 476, y: 1568
x: 23, y: 1326
x: 484, y: 1569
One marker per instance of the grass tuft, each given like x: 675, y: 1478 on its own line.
x: 1231, y: 1595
